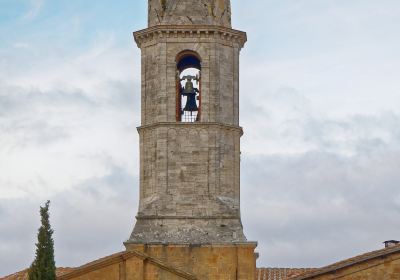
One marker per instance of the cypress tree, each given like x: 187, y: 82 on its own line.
x: 44, y: 267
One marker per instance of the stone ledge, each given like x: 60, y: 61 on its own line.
x: 190, y: 31
x: 182, y: 231
x: 187, y: 217
x: 250, y: 244
x: 191, y: 125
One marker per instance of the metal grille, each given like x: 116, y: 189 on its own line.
x: 189, y: 116
x: 190, y: 101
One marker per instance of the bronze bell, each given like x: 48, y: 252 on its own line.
x: 191, y: 93
x: 191, y: 104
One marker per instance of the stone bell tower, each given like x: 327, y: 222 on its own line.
x: 190, y: 140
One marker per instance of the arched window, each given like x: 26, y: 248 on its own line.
x: 188, y: 87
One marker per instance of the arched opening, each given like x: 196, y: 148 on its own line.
x: 188, y: 87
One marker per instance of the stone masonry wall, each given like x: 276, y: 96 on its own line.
x: 190, y: 188
x: 189, y: 172
x: 184, y: 12
x: 210, y: 262
x: 219, y: 73
x: 172, y: 262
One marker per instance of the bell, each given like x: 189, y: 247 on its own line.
x: 190, y: 92
x: 191, y: 104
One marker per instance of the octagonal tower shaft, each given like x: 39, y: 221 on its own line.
x: 189, y: 172
x: 187, y: 12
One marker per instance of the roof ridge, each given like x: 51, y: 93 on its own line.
x: 124, y: 255
x: 15, y: 273
x: 23, y: 273
x: 348, y: 262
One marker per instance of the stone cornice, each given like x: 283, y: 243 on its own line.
x: 249, y: 244
x: 140, y: 217
x: 190, y: 31
x: 198, y: 125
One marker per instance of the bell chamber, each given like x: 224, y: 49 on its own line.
x: 188, y: 89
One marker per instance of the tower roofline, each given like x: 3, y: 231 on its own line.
x: 190, y: 31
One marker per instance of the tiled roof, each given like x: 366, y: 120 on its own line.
x: 262, y: 273
x: 279, y: 273
x: 349, y: 262
x: 23, y: 275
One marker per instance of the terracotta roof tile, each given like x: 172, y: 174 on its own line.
x: 349, y: 262
x: 279, y: 273
x: 23, y: 275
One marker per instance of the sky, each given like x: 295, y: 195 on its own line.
x: 320, y: 96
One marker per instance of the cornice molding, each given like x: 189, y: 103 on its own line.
x: 196, y: 125
x: 154, y: 217
x: 190, y: 31
x: 246, y: 244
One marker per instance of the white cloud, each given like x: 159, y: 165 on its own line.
x: 63, y: 118
x: 317, y: 208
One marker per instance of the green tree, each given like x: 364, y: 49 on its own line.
x: 44, y: 267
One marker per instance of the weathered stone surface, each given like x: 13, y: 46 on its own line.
x: 184, y: 230
x: 184, y: 12
x: 219, y: 50
x: 128, y: 265
x: 206, y: 262
x: 170, y: 262
x: 190, y: 188
x: 190, y: 172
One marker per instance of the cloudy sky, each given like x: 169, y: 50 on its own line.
x: 320, y: 106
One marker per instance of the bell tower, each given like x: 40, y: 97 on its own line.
x: 190, y: 140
